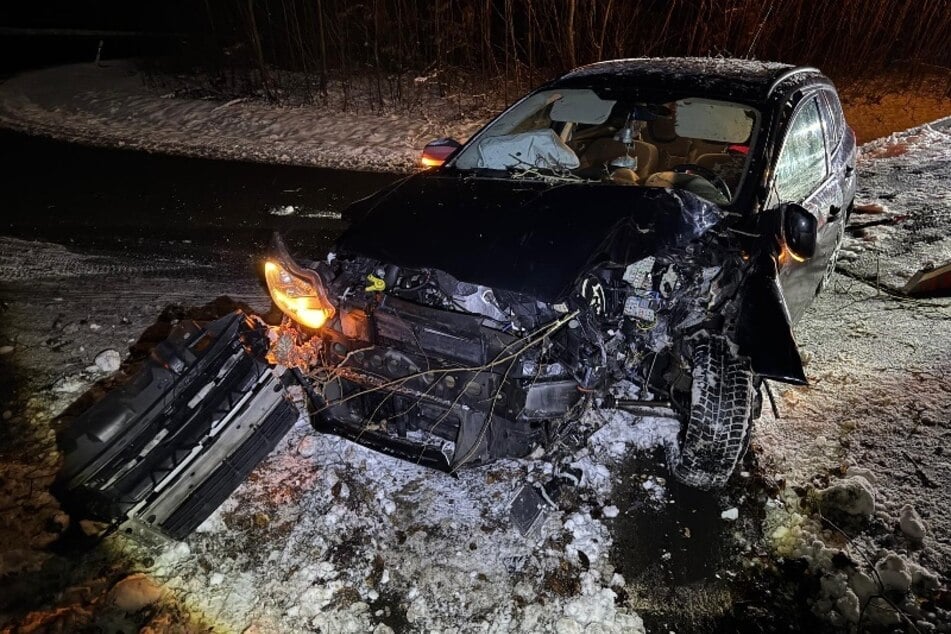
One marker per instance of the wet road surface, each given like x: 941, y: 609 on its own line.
x: 127, y: 201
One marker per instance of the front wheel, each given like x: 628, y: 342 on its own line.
x: 718, y: 429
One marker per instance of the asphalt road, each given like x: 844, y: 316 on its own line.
x: 127, y: 201
x: 140, y: 231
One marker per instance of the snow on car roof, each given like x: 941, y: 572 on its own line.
x: 741, y: 78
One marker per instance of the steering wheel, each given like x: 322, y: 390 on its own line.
x: 707, y: 174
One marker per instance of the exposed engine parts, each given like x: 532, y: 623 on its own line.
x: 484, y: 373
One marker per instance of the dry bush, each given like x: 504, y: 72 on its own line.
x: 517, y: 43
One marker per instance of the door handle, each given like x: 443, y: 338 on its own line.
x: 848, y: 170
x: 834, y: 211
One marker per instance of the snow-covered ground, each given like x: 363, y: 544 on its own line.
x: 905, y: 223
x: 111, y: 106
x: 871, y: 433
x: 328, y: 536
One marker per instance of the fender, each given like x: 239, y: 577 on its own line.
x: 763, y: 331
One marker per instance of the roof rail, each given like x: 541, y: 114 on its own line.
x: 789, y: 73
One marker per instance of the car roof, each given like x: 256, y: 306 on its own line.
x: 744, y: 80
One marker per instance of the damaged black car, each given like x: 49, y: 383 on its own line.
x: 662, y: 222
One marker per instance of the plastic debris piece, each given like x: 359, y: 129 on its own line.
x: 930, y: 281
x: 529, y: 509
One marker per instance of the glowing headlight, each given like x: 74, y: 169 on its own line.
x: 299, y: 298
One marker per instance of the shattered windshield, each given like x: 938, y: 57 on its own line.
x: 696, y: 144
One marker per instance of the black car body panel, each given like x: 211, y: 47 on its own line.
x: 764, y: 333
x: 525, y: 237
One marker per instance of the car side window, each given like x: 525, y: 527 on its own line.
x: 802, y: 161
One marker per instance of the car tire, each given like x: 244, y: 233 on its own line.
x: 718, y: 428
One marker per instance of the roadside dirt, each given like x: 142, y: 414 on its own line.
x: 880, y: 106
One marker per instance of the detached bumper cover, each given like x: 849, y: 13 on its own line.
x: 166, y: 449
x: 159, y: 454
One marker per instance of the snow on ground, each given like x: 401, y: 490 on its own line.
x: 327, y: 535
x: 903, y: 219
x: 872, y: 427
x: 25, y: 260
x: 330, y: 536
x: 110, y: 105
x: 871, y: 432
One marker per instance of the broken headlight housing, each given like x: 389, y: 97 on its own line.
x: 297, y: 292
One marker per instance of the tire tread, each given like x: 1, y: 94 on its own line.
x: 718, y: 428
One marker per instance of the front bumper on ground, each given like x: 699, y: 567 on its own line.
x: 168, y: 447
x: 160, y: 453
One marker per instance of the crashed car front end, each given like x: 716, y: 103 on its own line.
x: 444, y: 372
x: 600, y: 244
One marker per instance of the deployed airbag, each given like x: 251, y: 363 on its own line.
x: 538, y: 148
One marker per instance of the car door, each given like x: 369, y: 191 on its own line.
x: 840, y: 145
x: 801, y: 175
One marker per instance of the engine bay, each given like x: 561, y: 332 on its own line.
x: 486, y: 373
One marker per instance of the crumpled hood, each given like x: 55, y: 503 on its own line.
x: 522, y: 236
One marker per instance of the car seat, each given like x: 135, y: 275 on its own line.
x: 673, y: 149
x: 625, y: 176
x: 699, y: 147
x: 603, y: 151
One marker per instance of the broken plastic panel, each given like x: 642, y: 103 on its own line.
x: 697, y: 216
x: 167, y: 448
x: 530, y: 508
x: 933, y: 282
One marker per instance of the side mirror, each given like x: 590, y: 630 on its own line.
x: 800, y: 231
x: 438, y: 152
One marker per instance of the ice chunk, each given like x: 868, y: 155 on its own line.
x: 894, y: 573
x: 730, y: 514
x: 108, y: 360
x: 911, y: 523
x: 849, y: 498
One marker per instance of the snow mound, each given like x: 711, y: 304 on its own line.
x: 111, y: 105
x: 903, y: 207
